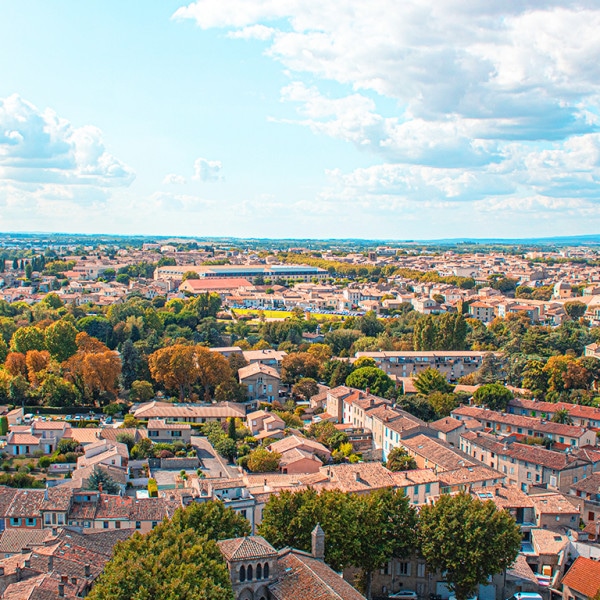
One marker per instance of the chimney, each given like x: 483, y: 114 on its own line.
x: 61, y: 590
x: 1, y: 571
x: 25, y: 550
x: 357, y: 475
x: 64, y: 579
x: 318, y: 543
x: 100, y: 487
x: 27, y: 563
x: 87, y: 570
x: 50, y: 563
x: 74, y: 580
x: 18, y: 573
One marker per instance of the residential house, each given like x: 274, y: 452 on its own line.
x: 161, y: 431
x: 261, y: 381
x: 262, y: 421
x: 582, y: 580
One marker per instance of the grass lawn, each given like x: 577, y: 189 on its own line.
x: 282, y: 314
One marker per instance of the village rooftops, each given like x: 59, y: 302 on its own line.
x: 256, y: 369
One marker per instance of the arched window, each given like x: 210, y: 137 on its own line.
x: 249, y: 572
x: 266, y: 571
x: 242, y: 573
x: 259, y: 571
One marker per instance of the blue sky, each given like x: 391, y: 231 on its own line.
x: 300, y: 118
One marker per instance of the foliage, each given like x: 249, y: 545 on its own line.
x: 305, y: 388
x: 100, y: 479
x: 260, y: 460
x: 468, y: 539
x: 178, y: 560
x: 431, y: 380
x: 372, y: 378
x: 493, y: 395
x: 399, y: 460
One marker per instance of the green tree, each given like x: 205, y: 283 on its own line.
x: 3, y: 350
x: 141, y: 391
x: 443, y: 404
x: 100, y: 479
x: 178, y: 560
x: 431, y: 380
x: 562, y: 416
x: 227, y: 448
x: 261, y: 460
x: 467, y: 539
x: 400, y: 460
x: 493, y: 395
x: 305, y: 388
x: 26, y: 339
x: 60, y: 339
x: 376, y: 380
x: 3, y: 425
x: 575, y: 309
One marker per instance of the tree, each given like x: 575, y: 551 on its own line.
x: 53, y: 301
x: 431, y: 380
x: 175, y: 367
x: 126, y: 438
x: 372, y: 378
x: 562, y: 416
x: 305, y: 388
x: 141, y: 391
x: 56, y: 391
x: 132, y: 362
x: 178, y: 560
x: 387, y: 529
x: 261, y: 460
x: 212, y: 368
x: 60, y: 340
x: 27, y: 338
x: 468, y: 539
x: 400, y: 460
x: 443, y: 404
x: 3, y: 349
x: 299, y: 365
x: 36, y: 361
x: 189, y: 275
x: 575, y: 309
x: 227, y: 448
x: 3, y: 425
x: 493, y: 395
x: 100, y: 479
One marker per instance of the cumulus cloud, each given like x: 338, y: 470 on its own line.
x: 207, y: 170
x: 174, y: 179
x: 461, y: 100
x: 39, y: 147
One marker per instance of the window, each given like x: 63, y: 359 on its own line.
x: 242, y: 573
x: 138, y: 524
x: 421, y: 570
x: 249, y: 573
x: 30, y: 522
x: 154, y: 523
x: 117, y: 524
x: 15, y: 522
x: 47, y: 519
x: 105, y: 524
x: 403, y: 568
x: 60, y: 519
x: 176, y: 433
x: 259, y: 571
x: 152, y: 433
x: 266, y: 571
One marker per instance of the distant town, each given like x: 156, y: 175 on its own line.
x: 335, y: 419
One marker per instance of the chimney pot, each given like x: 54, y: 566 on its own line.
x: 87, y: 570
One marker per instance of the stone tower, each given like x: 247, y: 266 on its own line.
x: 318, y: 543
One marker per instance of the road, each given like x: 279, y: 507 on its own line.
x: 211, y: 461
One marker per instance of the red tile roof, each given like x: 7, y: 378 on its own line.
x: 584, y: 576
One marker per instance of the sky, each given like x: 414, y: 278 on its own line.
x: 375, y: 119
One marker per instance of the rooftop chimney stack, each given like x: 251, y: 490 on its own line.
x: 318, y: 543
x: 87, y: 570
x: 61, y: 590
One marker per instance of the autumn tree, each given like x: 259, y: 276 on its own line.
x: 261, y: 460
x: 36, y: 361
x: 16, y: 364
x: 174, y: 367
x: 468, y: 539
x: 212, y: 368
x: 305, y: 388
x: 299, y: 365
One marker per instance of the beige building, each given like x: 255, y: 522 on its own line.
x: 262, y: 381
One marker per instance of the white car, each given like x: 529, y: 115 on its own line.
x: 405, y: 595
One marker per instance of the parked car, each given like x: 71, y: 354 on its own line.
x: 405, y: 595
x: 526, y: 596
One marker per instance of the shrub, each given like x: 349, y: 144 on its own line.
x: 44, y: 462
x: 152, y: 488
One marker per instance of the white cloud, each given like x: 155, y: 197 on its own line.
x: 207, y: 170
x: 489, y: 104
x: 174, y: 179
x: 39, y: 147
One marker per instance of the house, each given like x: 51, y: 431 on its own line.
x: 261, y: 421
x: 40, y: 436
x: 189, y: 413
x: 296, y: 460
x: 269, y: 357
x: 582, y: 580
x: 295, y: 441
x: 161, y: 431
x: 104, y: 452
x: 261, y: 380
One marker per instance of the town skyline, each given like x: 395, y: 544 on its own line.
x: 246, y: 119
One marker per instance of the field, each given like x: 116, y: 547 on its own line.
x: 281, y: 314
